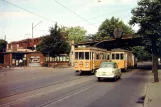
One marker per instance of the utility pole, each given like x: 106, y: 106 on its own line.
x: 33, y: 28
x: 5, y: 37
x: 33, y: 31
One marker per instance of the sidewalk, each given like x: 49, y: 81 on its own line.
x: 58, y: 67
x: 153, y: 94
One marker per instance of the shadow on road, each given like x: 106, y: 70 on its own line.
x: 146, y: 66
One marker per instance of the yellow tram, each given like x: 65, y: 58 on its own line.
x: 125, y: 59
x: 89, y: 59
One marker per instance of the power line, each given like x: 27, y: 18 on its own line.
x: 29, y: 11
x: 95, y: 17
x: 75, y: 13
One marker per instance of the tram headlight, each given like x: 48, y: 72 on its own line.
x: 87, y: 64
x: 76, y: 64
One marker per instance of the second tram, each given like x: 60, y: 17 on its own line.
x: 125, y: 59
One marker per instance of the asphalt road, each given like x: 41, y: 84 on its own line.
x: 43, y: 87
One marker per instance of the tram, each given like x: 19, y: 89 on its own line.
x: 88, y: 59
x: 125, y: 59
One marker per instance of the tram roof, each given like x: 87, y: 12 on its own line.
x: 119, y: 50
x: 115, y: 43
x: 90, y: 48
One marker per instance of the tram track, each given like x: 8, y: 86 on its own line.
x: 61, y: 98
x: 26, y: 88
x: 14, y: 90
x: 7, y: 101
x: 25, y: 78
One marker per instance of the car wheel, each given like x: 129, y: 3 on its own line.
x: 98, y: 79
x: 119, y: 77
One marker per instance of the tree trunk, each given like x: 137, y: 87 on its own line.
x: 155, y: 60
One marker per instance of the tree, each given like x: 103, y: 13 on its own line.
x: 141, y: 52
x: 55, y: 43
x: 77, y: 34
x: 107, y: 27
x: 148, y: 15
x: 91, y: 37
x: 3, y: 45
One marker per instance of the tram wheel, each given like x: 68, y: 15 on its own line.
x: 93, y: 72
x: 78, y: 73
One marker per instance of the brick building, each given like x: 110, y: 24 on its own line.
x: 23, y: 53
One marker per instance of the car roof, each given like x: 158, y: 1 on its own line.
x: 108, y: 63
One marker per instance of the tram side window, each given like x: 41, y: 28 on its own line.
x: 76, y: 55
x: 121, y: 56
x: 101, y: 56
x: 108, y: 57
x: 97, y: 56
x: 117, y: 56
x: 113, y: 56
x: 81, y: 55
x: 86, y: 55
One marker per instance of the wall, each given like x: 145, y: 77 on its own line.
x: 34, y: 59
x: 8, y: 59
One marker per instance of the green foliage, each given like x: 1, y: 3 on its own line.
x: 141, y: 52
x: 107, y: 28
x: 77, y: 34
x: 3, y: 45
x: 148, y: 16
x: 55, y: 43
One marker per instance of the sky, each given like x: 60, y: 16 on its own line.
x: 17, y: 16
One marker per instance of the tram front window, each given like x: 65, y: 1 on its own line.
x: 113, y: 56
x: 81, y: 55
x: 87, y: 55
x: 122, y: 56
x: 76, y: 55
x: 117, y: 56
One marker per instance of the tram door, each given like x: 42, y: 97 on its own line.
x: 92, y: 61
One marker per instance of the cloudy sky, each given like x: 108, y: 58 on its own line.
x: 16, y: 18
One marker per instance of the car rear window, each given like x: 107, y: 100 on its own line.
x: 105, y: 65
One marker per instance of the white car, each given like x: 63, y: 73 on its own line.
x: 108, y: 70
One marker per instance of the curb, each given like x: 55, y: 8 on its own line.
x: 146, y: 101
x: 147, y: 92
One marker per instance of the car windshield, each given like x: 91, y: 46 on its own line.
x: 105, y: 65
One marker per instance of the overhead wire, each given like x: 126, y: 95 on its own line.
x: 95, y: 17
x: 29, y: 11
x: 75, y: 13
x: 83, y: 19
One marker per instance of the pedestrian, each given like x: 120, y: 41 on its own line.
x: 20, y: 62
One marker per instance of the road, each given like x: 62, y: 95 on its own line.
x: 59, y: 87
